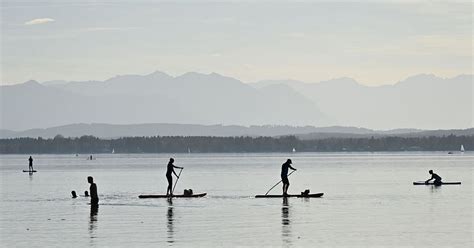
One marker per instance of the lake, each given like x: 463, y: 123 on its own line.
x: 369, y: 201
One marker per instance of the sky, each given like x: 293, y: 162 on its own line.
x: 374, y: 42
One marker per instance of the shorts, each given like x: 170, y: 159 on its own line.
x: 284, y: 179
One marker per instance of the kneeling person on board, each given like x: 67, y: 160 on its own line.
x: 437, y: 179
x: 284, y: 175
x: 93, y: 191
x: 169, y: 177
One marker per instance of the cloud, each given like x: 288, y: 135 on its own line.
x: 39, y: 21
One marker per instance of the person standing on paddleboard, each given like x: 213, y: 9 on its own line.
x: 30, y: 167
x: 284, y: 175
x: 437, y: 179
x: 169, y: 177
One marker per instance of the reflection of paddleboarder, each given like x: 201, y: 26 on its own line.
x: 169, y: 177
x: 30, y: 167
x: 284, y: 175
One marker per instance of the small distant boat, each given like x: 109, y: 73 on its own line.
x: 113, y: 151
x: 462, y: 148
x: 294, y: 150
x: 189, y: 150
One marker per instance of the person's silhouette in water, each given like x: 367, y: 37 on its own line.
x: 284, y: 175
x: 93, y: 192
x: 169, y: 177
x: 30, y: 167
x: 437, y: 179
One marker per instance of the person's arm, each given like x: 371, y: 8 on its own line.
x: 291, y: 167
x: 427, y: 181
x: 177, y: 167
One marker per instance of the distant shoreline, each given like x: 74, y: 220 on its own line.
x: 242, y: 144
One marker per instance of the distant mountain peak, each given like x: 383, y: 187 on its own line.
x: 342, y: 80
x: 159, y: 74
x: 28, y: 84
x: 31, y: 82
x: 421, y: 76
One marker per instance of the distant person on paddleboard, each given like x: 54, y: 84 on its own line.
x: 30, y: 167
x: 284, y: 175
x: 169, y: 177
x: 93, y: 191
x: 437, y: 179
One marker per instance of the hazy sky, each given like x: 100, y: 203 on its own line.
x: 374, y: 43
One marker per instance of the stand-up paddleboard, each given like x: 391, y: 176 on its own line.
x: 174, y: 196
x: 29, y: 171
x: 282, y: 196
x: 432, y: 183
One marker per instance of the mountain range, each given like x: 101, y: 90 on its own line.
x: 422, y: 101
x: 163, y: 129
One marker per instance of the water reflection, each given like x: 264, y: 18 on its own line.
x: 93, y: 222
x: 170, y: 221
x: 435, y: 188
x: 285, y: 222
x: 30, y: 174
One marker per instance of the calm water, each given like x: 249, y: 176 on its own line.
x: 369, y: 201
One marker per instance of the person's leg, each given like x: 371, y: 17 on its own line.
x: 286, y: 183
x: 170, y: 185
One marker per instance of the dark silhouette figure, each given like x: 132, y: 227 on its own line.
x: 437, y: 179
x: 284, y: 175
x: 93, y: 190
x: 73, y: 193
x: 30, y: 167
x: 169, y: 176
x: 90, y: 158
x: 86, y: 194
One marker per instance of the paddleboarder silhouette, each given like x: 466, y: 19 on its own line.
x: 284, y: 175
x: 169, y: 176
x: 437, y: 179
x: 30, y: 160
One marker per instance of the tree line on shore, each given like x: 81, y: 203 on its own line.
x: 208, y: 144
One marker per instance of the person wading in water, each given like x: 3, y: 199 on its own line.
x: 169, y: 177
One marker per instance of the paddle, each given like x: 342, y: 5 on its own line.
x: 277, y: 183
x: 179, y: 175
